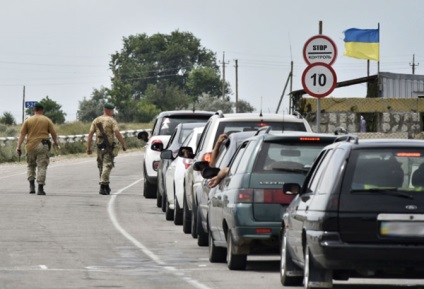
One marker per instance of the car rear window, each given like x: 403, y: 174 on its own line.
x: 292, y: 157
x: 170, y: 123
x: 396, y: 168
x: 239, y: 126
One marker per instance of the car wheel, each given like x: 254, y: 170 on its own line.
x: 169, y: 213
x: 164, y: 201
x: 290, y: 274
x: 194, y: 221
x: 158, y: 200
x: 186, y: 217
x: 216, y: 254
x: 202, y: 236
x: 234, y: 262
x: 313, y: 275
x: 178, y: 213
x: 149, y: 189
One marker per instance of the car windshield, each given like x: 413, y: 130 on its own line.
x: 292, y: 157
x: 387, y: 169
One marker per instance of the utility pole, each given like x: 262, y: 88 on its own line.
x: 223, y: 74
x: 413, y: 64
x: 236, y: 61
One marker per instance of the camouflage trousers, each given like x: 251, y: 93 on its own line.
x: 105, y: 165
x: 38, y: 159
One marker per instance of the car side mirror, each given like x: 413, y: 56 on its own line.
x: 166, y: 155
x: 291, y: 188
x: 200, y: 166
x: 143, y: 135
x: 186, y: 152
x: 209, y: 173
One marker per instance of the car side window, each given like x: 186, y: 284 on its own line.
x: 331, y: 172
x: 235, y: 162
x: 317, y: 173
x: 203, y: 137
x: 155, y: 129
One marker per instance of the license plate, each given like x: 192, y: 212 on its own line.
x: 402, y: 229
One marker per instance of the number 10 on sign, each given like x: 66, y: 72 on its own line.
x: 319, y: 80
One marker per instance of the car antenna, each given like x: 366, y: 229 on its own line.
x: 260, y: 113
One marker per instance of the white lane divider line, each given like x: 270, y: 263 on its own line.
x: 144, y: 249
x: 43, y: 267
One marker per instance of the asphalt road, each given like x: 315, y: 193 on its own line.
x: 75, y: 238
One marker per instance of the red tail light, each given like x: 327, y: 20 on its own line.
x: 155, y: 165
x: 157, y: 145
x: 263, y: 230
x: 272, y: 196
x: 187, y: 163
x: 245, y: 196
x: 207, y: 157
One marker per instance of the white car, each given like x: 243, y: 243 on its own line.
x: 163, y: 127
x: 175, y: 176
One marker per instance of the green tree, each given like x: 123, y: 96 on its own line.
x: 89, y: 109
x: 211, y: 103
x: 244, y: 106
x: 8, y: 119
x: 158, y: 68
x: 51, y: 109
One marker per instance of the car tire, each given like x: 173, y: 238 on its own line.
x: 186, y: 217
x: 313, y: 275
x: 164, y: 201
x: 202, y: 236
x: 194, y: 221
x: 158, y: 200
x: 290, y: 274
x: 178, y: 213
x: 149, y: 189
x: 234, y: 262
x: 216, y: 254
x: 169, y: 213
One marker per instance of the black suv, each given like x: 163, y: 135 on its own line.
x: 359, y: 213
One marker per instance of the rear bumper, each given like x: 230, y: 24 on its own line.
x: 332, y: 253
x: 250, y: 240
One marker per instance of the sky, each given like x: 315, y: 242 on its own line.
x: 62, y: 48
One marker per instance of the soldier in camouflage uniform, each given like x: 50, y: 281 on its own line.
x: 105, y: 157
x: 37, y: 129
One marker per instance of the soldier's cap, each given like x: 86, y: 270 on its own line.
x: 109, y: 105
x: 38, y: 105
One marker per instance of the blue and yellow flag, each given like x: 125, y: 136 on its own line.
x: 362, y: 43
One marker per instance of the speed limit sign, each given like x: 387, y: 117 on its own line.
x: 319, y: 79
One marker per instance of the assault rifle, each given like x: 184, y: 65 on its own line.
x: 105, y: 145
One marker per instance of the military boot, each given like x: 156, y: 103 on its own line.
x: 32, y: 187
x: 108, y: 189
x: 103, y: 190
x: 41, y: 190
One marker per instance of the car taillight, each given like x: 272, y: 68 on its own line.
x: 155, y: 165
x: 157, y: 145
x: 207, y: 157
x: 272, y: 196
x: 244, y: 196
x: 263, y: 230
x: 186, y: 163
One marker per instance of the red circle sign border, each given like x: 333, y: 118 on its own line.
x: 326, y: 38
x: 313, y: 93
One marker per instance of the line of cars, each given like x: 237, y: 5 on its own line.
x: 282, y: 191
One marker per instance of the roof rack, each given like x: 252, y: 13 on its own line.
x: 298, y: 114
x: 347, y: 138
x: 219, y: 113
x: 263, y: 130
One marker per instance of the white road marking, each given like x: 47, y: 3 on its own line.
x: 144, y: 249
x: 43, y: 267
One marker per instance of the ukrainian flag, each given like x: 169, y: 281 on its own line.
x: 362, y: 43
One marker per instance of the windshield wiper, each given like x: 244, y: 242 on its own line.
x: 384, y: 191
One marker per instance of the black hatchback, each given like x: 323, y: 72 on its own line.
x: 359, y: 213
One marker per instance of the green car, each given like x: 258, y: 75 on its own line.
x: 246, y: 207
